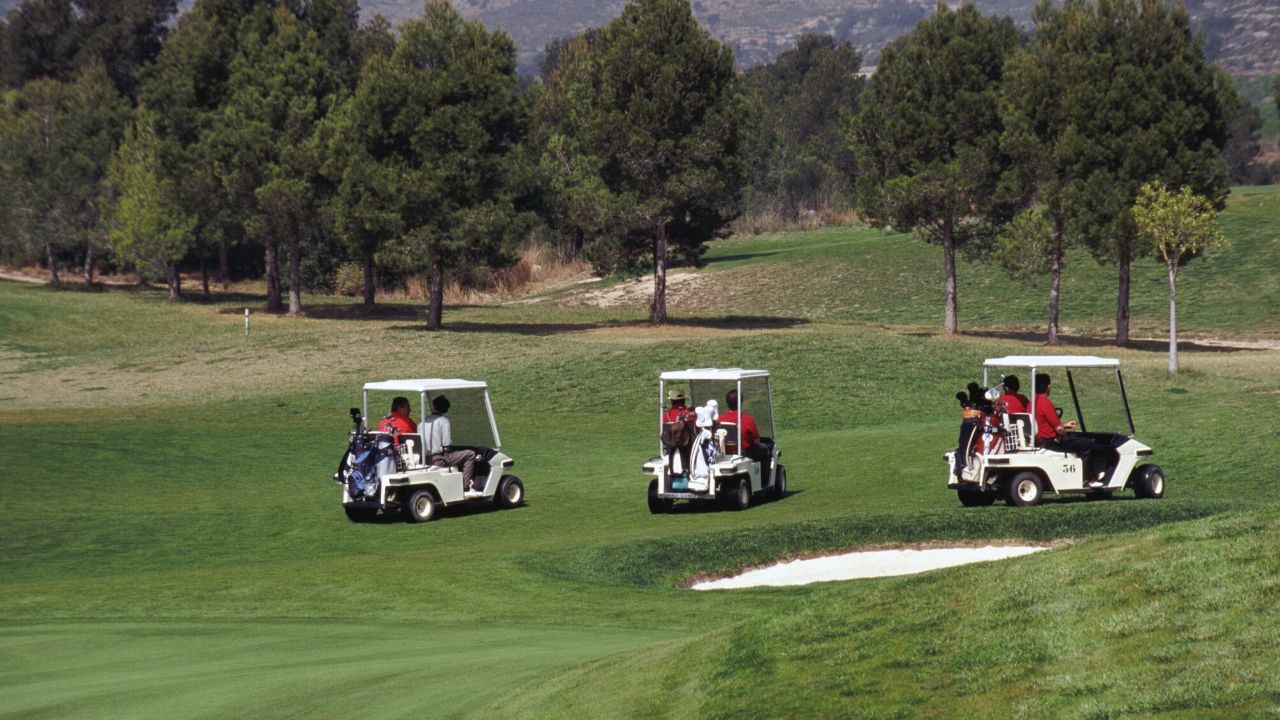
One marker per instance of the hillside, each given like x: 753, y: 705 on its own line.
x: 173, y: 545
x: 1242, y: 35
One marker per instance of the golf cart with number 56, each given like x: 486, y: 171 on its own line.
x: 709, y: 450
x: 389, y: 470
x: 1003, y: 455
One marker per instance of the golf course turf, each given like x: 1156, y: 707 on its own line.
x: 172, y: 545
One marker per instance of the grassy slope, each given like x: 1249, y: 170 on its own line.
x: 171, y: 541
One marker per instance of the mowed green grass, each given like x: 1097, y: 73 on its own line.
x: 172, y: 545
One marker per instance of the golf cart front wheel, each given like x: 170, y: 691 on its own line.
x: 420, y: 507
x: 657, y: 505
x: 780, y: 483
x: 510, y: 492
x: 1148, y: 482
x: 1025, y: 489
x: 975, y: 498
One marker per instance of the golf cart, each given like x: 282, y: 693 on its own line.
x: 706, y: 461
x: 1003, y: 458
x: 391, y: 470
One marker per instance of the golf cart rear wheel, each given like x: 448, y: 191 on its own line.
x: 975, y: 498
x: 420, y: 507
x: 779, y: 489
x: 1025, y: 489
x: 360, y: 514
x: 657, y: 505
x: 510, y: 492
x: 740, y: 498
x: 1148, y: 482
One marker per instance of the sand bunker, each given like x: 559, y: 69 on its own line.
x: 869, y: 564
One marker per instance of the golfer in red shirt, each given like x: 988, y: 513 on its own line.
x: 399, y: 419
x: 751, y: 446
x: 1051, y: 433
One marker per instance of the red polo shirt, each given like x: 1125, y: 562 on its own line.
x: 675, y: 413
x: 1012, y: 403
x: 746, y: 424
x: 399, y: 421
x: 1046, y: 418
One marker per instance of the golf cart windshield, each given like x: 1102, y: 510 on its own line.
x: 468, y: 416
x: 754, y: 397
x: 1098, y: 395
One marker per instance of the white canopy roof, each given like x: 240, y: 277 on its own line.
x: 713, y: 374
x: 424, y: 385
x: 1047, y: 361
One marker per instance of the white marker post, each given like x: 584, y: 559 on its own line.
x: 246, y: 322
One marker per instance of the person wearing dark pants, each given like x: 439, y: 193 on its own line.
x: 1052, y: 433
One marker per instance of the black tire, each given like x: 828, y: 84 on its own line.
x: 975, y: 498
x: 779, y: 489
x: 1024, y: 490
x: 1148, y: 482
x: 740, y: 497
x: 420, y: 506
x: 510, y: 492
x: 657, y: 505
x: 360, y: 514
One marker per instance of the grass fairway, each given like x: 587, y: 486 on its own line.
x: 172, y: 544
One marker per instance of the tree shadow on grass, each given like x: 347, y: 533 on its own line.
x: 361, y: 311
x: 731, y: 322
x: 738, y: 257
x: 1067, y: 341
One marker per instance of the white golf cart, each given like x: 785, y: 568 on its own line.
x: 385, y: 471
x: 727, y: 472
x: 1010, y: 462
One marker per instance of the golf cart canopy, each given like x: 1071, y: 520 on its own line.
x: 1086, y: 390
x: 730, y: 374
x: 424, y: 385
x: 1051, y: 361
x: 470, y: 414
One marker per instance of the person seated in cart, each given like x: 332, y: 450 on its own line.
x: 678, y: 409
x: 751, y: 446
x: 1012, y: 401
x: 437, y: 437
x: 1051, y: 432
x: 400, y: 419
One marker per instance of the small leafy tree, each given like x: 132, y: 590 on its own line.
x: 149, y: 227
x: 1179, y: 226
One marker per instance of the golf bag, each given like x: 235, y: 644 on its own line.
x: 366, y: 460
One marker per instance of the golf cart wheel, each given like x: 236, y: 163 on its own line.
x: 779, y: 489
x: 360, y: 514
x: 1148, y: 482
x: 657, y: 505
x: 740, y: 498
x: 975, y: 498
x: 510, y: 492
x: 1025, y: 489
x: 420, y: 507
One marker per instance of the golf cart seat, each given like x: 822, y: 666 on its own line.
x: 729, y: 442
x: 1017, y: 431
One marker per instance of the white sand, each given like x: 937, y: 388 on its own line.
x: 871, y: 564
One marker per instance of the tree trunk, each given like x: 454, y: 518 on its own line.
x: 435, y: 290
x: 204, y: 279
x: 273, y: 280
x: 949, y: 286
x: 295, y: 276
x: 52, y: 261
x: 1122, y: 298
x: 368, y: 279
x: 1055, y: 280
x: 175, y: 282
x: 1173, y: 316
x: 658, y: 310
x: 88, y: 264
x: 224, y: 265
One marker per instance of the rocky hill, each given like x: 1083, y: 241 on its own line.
x: 1242, y: 35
